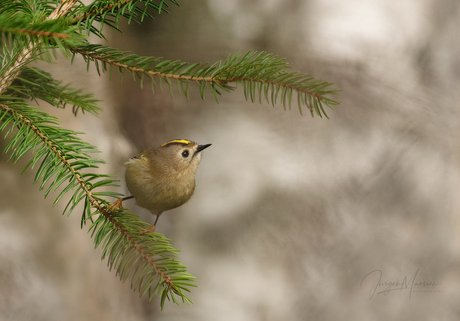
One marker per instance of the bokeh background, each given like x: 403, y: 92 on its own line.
x: 291, y: 213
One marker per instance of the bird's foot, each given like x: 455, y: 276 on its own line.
x: 115, y: 205
x: 151, y: 229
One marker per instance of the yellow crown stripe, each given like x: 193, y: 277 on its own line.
x: 177, y: 141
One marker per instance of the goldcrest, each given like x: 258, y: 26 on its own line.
x: 162, y: 178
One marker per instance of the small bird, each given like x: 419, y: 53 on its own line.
x: 162, y: 178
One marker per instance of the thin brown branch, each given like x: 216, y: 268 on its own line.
x: 37, y: 33
x: 15, y: 69
x: 140, y: 70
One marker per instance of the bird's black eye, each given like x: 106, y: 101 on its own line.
x: 185, y: 153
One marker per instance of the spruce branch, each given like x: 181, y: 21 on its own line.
x: 62, y: 158
x: 262, y: 76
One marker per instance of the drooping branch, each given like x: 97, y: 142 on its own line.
x: 28, y: 130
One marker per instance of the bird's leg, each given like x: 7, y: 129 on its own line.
x: 118, y: 203
x: 151, y: 229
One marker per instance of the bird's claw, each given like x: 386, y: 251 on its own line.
x: 115, y: 205
x: 151, y: 229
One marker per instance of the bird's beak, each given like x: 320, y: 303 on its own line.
x: 201, y: 147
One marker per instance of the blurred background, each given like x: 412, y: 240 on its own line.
x: 293, y: 217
